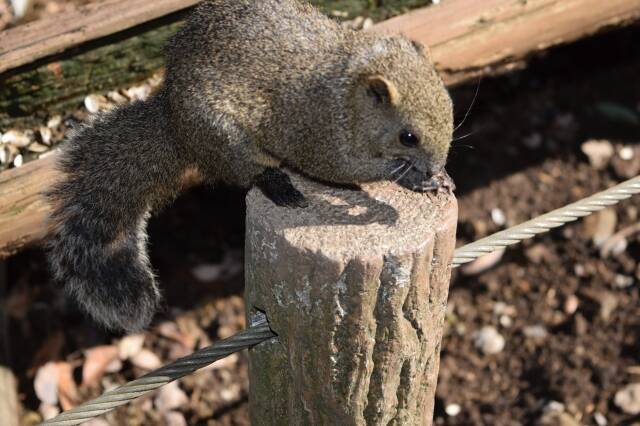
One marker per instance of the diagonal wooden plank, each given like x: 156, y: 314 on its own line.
x: 23, y: 212
x: 471, y: 37
x: 27, y: 43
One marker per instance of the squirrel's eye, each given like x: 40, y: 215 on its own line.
x: 409, y: 139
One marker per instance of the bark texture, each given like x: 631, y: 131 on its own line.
x: 355, y: 286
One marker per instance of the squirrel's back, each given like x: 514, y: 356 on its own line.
x: 274, y: 39
x: 251, y: 54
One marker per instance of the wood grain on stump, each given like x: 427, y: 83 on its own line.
x: 355, y: 286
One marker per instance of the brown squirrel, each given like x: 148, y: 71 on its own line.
x: 251, y: 86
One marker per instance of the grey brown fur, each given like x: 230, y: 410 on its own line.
x: 251, y: 86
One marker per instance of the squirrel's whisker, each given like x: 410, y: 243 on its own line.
x: 397, y: 169
x: 409, y: 167
x: 463, y: 137
x: 463, y: 146
x: 473, y: 102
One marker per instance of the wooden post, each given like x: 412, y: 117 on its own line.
x: 9, y: 407
x: 355, y: 286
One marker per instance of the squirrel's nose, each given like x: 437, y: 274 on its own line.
x: 431, y: 166
x: 437, y: 162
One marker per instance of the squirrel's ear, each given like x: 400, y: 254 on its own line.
x: 382, y: 89
x: 421, y: 49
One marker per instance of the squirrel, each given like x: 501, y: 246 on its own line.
x: 251, y: 87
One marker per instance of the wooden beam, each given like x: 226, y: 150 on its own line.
x: 27, y: 43
x: 9, y: 405
x: 468, y: 38
x: 23, y: 212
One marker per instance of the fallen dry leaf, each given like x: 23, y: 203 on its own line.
x: 54, y: 383
x: 146, y: 360
x: 97, y: 361
x: 67, y: 389
x: 96, y: 422
x: 600, y: 226
x: 171, y: 331
x: 189, y: 328
x: 174, y: 418
x: 46, y: 383
x: 628, y: 399
x: 170, y: 397
x: 48, y: 411
x: 130, y: 346
x: 114, y: 366
x: 482, y: 264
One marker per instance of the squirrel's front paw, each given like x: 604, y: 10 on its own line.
x: 289, y: 197
x: 277, y: 186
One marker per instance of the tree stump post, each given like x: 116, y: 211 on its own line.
x: 355, y: 286
x: 9, y: 406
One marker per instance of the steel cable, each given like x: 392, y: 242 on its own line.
x: 257, y: 333
x: 548, y: 221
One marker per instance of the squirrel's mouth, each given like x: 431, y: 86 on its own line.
x: 409, y: 174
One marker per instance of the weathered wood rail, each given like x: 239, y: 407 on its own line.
x: 22, y: 211
x: 27, y: 43
x: 470, y: 38
x: 9, y: 406
x: 467, y: 38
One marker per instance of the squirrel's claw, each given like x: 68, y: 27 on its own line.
x: 415, y: 181
x: 277, y: 186
x: 289, y: 197
x: 441, y: 182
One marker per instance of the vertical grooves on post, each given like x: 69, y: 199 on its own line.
x: 374, y: 396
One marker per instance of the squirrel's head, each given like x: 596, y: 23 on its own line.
x: 402, y: 118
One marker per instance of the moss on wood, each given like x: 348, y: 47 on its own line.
x: 59, y: 84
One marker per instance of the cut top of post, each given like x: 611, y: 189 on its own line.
x: 345, y: 222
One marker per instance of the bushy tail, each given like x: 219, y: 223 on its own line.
x: 115, y: 170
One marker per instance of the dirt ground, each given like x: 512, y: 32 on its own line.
x: 569, y: 316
